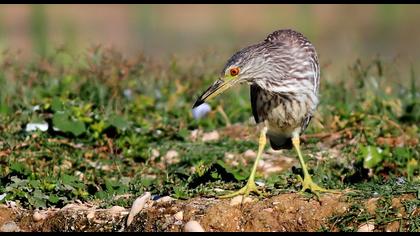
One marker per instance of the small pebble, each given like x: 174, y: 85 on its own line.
x: 39, y: 216
x: 172, y: 157
x: 193, y: 226
x: 165, y: 199
x: 300, y: 222
x: 273, y: 169
x: 238, y: 199
x: 250, y: 154
x: 137, y: 206
x: 10, y: 226
x: 179, y: 215
x: 268, y: 210
x: 260, y: 183
x: 34, y: 126
x: 218, y: 190
x: 155, y: 153
x: 211, y: 136
x: 368, y: 227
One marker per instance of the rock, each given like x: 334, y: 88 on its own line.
x: 195, y: 134
x: 299, y: 220
x: 273, y: 169
x: 238, y: 199
x: 155, y: 154
x: 10, y: 226
x: 137, y: 206
x: 37, y: 216
x: 270, y: 210
x: 250, y: 154
x: 211, y: 136
x: 165, y: 199
x: 229, y: 155
x: 367, y: 227
x: 34, y: 126
x: 193, y: 226
x: 171, y: 157
x: 179, y: 215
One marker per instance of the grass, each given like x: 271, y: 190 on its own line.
x: 111, y: 121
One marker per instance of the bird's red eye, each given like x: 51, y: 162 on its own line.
x: 234, y: 71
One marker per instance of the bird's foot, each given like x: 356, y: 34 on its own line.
x: 307, y: 183
x: 245, y: 191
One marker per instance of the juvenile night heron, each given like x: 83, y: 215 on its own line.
x: 283, y: 72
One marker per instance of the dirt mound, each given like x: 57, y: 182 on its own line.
x: 285, y: 212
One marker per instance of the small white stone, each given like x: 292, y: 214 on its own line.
x: 270, y: 210
x: 137, y: 206
x: 193, y: 226
x: 299, y: 220
x: 229, y: 155
x: 34, y: 126
x: 250, y: 154
x: 273, y: 169
x: 37, y: 216
x: 211, y: 136
x: 260, y: 183
x: 172, y: 157
x: 367, y: 227
x: 179, y: 215
x: 238, y: 199
x: 195, y: 134
x: 36, y: 108
x: 155, y: 153
x: 10, y: 226
x: 165, y: 199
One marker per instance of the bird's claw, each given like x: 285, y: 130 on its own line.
x: 245, y: 191
x: 307, y: 183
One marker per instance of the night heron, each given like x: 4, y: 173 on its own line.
x: 283, y: 72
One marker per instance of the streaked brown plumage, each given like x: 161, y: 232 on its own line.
x: 283, y: 73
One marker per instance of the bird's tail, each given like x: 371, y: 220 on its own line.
x: 278, y: 142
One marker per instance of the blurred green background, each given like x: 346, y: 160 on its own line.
x: 341, y: 33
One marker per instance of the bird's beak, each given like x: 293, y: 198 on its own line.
x: 215, y: 89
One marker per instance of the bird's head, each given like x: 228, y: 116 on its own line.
x: 246, y: 65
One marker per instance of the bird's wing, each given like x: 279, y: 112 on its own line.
x: 255, y: 89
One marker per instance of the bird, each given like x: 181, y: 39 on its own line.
x: 283, y: 73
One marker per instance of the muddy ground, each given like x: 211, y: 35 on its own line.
x: 285, y: 212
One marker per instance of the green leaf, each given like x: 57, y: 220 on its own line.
x: 56, y: 104
x: 371, y: 156
x: 62, y: 121
x: 38, y: 199
x: 53, y: 199
x: 118, y: 122
x: 235, y: 174
x: 18, y: 168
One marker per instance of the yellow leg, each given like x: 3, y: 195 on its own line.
x: 250, y: 186
x: 307, y: 182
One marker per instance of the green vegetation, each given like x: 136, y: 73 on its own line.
x: 111, y: 121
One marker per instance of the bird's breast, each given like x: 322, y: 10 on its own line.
x: 285, y: 112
